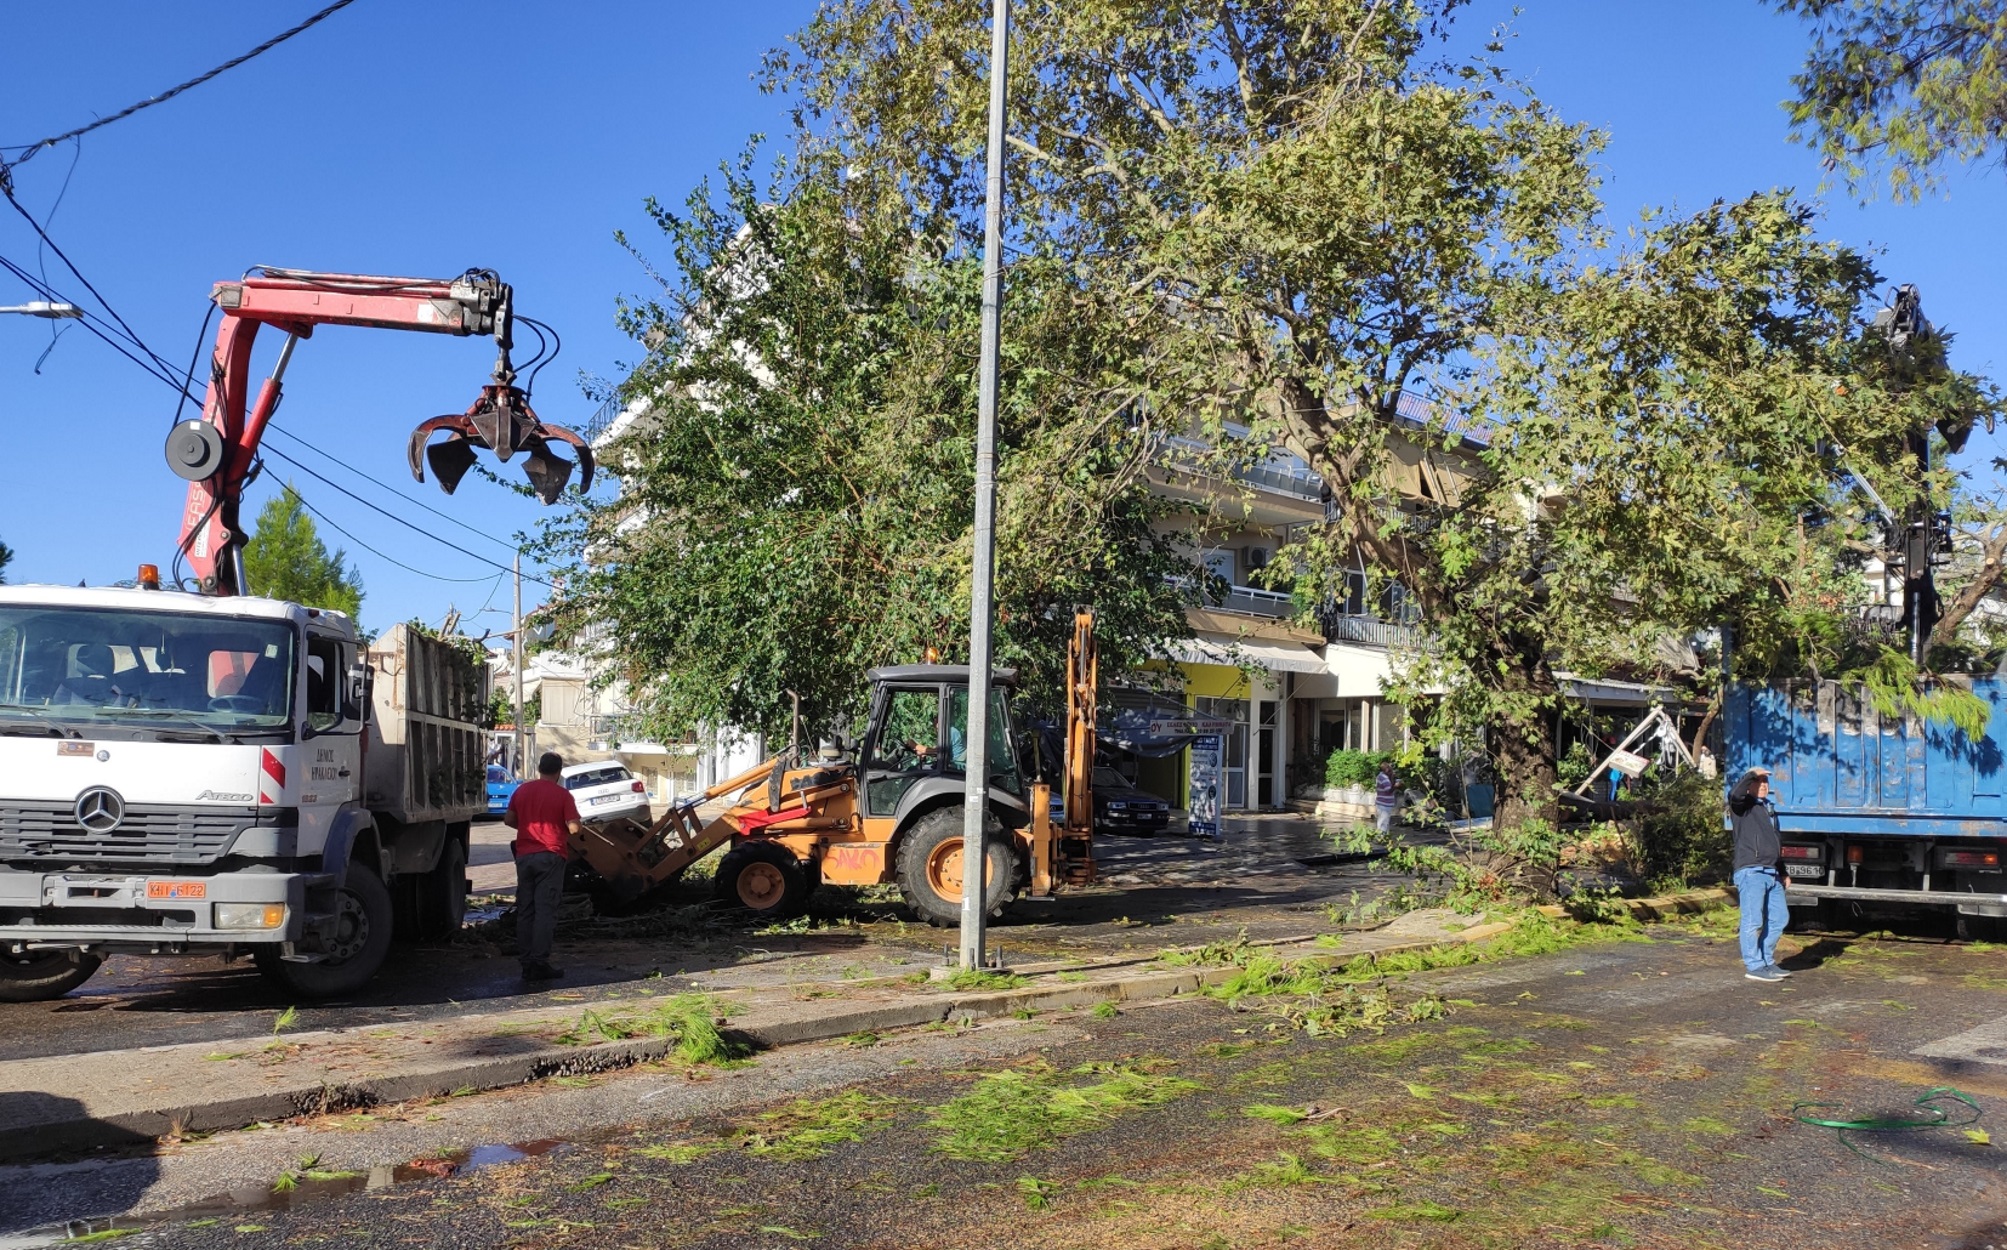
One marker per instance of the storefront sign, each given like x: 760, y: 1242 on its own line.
x: 1205, y: 785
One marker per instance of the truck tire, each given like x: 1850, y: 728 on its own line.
x: 763, y: 878
x: 39, y: 976
x: 362, y: 940
x: 930, y: 868
x: 442, y: 894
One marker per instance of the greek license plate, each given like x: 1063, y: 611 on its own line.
x: 177, y: 889
x: 1809, y: 871
x: 605, y: 798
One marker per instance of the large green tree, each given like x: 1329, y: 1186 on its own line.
x: 1302, y: 213
x: 795, y: 506
x: 286, y: 559
x: 1902, y: 88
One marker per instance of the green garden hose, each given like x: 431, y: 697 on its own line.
x: 1932, y: 1100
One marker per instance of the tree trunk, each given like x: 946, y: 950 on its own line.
x: 1525, y: 842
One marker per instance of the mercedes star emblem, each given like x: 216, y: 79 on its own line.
x: 100, y: 809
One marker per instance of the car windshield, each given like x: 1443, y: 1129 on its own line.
x: 71, y: 668
x: 597, y: 777
x: 1109, y: 777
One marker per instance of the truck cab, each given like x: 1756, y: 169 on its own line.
x: 180, y: 773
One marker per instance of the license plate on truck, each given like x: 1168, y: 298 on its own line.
x: 1809, y: 871
x: 177, y: 889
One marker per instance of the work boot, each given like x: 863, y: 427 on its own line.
x: 541, y: 972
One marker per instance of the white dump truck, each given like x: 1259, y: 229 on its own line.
x: 192, y: 775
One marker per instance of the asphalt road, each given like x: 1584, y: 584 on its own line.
x: 1157, y: 892
x: 1624, y: 1094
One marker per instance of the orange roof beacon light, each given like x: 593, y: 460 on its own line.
x: 149, y: 577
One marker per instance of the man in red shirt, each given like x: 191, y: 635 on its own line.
x: 543, y: 814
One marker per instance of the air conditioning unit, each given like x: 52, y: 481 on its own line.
x: 1258, y: 557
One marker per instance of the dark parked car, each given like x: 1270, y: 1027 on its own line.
x: 1120, y: 807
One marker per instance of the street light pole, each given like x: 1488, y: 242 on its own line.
x: 43, y: 308
x: 975, y: 801
x: 516, y: 654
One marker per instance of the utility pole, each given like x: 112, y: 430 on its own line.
x: 516, y: 656
x: 975, y: 801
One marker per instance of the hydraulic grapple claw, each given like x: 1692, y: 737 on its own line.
x: 502, y: 421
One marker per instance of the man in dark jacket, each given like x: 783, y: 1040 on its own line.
x: 1759, y: 878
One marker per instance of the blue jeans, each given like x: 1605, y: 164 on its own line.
x: 1764, y: 913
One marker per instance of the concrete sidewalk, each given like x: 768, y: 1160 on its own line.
x: 128, y: 1097
x: 123, y: 1097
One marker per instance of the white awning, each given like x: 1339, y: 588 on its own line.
x: 1276, y: 657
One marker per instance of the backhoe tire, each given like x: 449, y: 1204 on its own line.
x: 763, y: 878
x: 930, y: 868
x: 362, y: 940
x: 38, y: 976
x: 442, y: 894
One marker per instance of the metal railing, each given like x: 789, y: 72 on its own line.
x: 1253, y: 601
x: 1196, y: 456
x: 1370, y: 631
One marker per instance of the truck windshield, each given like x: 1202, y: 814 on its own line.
x: 168, y: 671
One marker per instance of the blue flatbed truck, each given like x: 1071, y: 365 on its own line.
x: 1875, y: 809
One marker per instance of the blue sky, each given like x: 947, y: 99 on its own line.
x: 427, y: 138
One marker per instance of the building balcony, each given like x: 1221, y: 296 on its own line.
x: 1368, y: 631
x: 1278, y: 475
x: 1254, y: 601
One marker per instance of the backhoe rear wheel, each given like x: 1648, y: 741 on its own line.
x: 930, y: 868
x: 764, y: 878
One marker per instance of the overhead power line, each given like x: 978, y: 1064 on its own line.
x: 28, y: 150
x: 121, y: 338
x: 322, y: 517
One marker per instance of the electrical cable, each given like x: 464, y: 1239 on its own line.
x: 274, y: 427
x: 165, y: 372
x: 71, y: 266
x: 320, y: 516
x: 28, y: 150
x: 414, y: 528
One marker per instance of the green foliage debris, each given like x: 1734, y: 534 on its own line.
x: 1009, y: 1114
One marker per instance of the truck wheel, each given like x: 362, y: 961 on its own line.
x: 442, y: 893
x: 930, y: 868
x: 361, y: 940
x: 39, y: 976
x: 763, y: 878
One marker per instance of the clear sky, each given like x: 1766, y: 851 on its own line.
x: 428, y: 138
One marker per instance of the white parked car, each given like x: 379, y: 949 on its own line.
x: 605, y: 790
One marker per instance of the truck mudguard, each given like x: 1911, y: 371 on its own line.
x: 352, y: 825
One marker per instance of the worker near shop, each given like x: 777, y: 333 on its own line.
x: 544, y: 815
x: 1386, y: 797
x: 1759, y: 875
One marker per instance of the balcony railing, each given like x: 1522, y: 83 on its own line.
x: 1370, y: 631
x: 1294, y: 481
x: 1253, y: 601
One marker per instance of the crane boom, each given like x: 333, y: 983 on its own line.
x: 216, y: 452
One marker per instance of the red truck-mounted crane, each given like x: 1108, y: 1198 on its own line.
x: 216, y: 452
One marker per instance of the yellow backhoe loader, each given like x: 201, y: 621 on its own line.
x: 892, y: 814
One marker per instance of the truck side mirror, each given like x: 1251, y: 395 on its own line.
x: 355, y: 693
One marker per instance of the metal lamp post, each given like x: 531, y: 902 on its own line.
x: 975, y: 802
